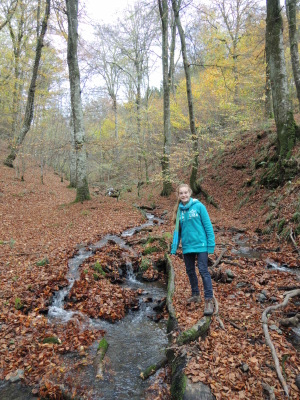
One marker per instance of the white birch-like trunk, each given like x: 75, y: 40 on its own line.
x: 76, y: 105
x: 283, y: 114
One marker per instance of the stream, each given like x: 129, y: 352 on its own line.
x: 135, y: 342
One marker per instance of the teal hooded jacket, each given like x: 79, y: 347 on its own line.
x: 195, y: 229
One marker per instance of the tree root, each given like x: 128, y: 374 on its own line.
x: 269, y: 389
x: 264, y: 320
x: 216, y: 314
x: 294, y: 242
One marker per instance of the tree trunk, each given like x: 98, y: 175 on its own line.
x: 193, y: 178
x: 165, y: 162
x: 73, y: 178
x: 290, y: 6
x: 268, y: 93
x: 31, y: 93
x: 284, y: 119
x: 76, y: 105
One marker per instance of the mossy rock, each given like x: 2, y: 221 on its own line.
x: 150, y: 250
x: 160, y: 240
x: 145, y: 264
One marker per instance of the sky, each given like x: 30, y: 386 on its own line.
x: 98, y: 12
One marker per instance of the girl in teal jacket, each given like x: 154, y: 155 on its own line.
x: 194, y: 229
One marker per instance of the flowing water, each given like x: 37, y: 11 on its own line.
x: 135, y: 342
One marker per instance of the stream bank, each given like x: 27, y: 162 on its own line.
x: 134, y: 340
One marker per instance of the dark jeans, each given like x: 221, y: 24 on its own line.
x: 202, y: 259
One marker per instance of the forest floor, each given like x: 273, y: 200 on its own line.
x: 41, y: 228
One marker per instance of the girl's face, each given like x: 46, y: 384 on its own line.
x: 184, y: 194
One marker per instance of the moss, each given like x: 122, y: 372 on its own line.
x: 42, y: 262
x: 161, y: 241
x: 285, y: 233
x: 96, y: 276
x: 179, y: 379
x: 270, y: 216
x: 52, y: 340
x: 145, y: 264
x: 150, y: 250
x: 98, y: 268
x: 280, y: 226
x: 296, y: 217
x: 199, y: 329
x: 83, y: 193
x: 102, y: 347
x: 18, y: 304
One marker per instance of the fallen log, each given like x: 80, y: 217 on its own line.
x: 153, y: 368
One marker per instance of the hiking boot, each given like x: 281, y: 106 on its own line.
x: 209, y: 307
x: 194, y: 299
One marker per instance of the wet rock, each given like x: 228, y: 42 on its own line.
x: 245, y: 367
x: 261, y: 298
x: 147, y: 299
x: 241, y: 284
x: 273, y: 299
x: 197, y: 391
x: 229, y: 273
x: 15, y: 376
x: 275, y: 328
x: 297, y: 381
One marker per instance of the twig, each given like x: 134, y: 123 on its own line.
x: 216, y: 313
x: 264, y: 320
x: 269, y: 389
x: 233, y: 324
x: 219, y: 258
x: 293, y: 240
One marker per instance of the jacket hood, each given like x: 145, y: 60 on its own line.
x: 188, y: 205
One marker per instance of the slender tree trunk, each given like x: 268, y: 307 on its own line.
x: 193, y: 178
x: 115, y: 109
x: 268, y: 92
x: 290, y: 6
x: 31, y: 93
x: 164, y: 11
x: 76, y: 105
x: 73, y: 178
x: 284, y: 119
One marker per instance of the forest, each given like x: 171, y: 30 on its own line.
x: 92, y: 149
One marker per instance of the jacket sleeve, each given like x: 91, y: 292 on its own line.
x: 208, y: 229
x: 175, y: 242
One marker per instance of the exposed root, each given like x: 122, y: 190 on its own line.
x: 294, y: 242
x: 216, y: 314
x: 264, y: 320
x: 269, y: 389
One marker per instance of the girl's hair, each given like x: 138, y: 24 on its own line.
x: 178, y: 201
